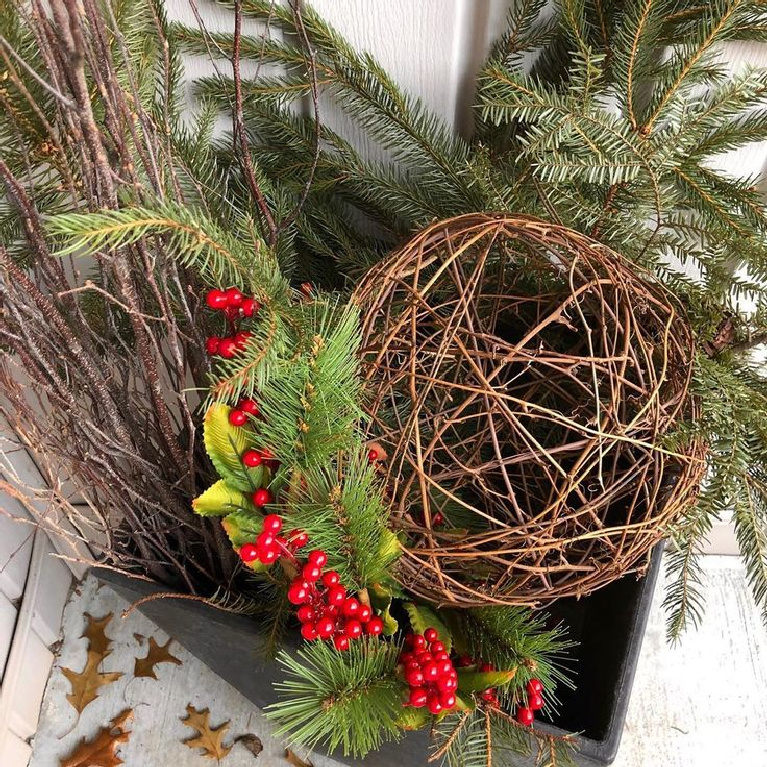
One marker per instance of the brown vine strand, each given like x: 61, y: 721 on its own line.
x: 524, y: 379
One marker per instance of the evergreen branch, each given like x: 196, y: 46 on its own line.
x: 713, y: 30
x: 343, y: 512
x: 340, y: 700
x: 221, y: 257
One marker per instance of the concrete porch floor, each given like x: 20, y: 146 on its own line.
x: 701, y: 704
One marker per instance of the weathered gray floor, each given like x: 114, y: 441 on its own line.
x: 703, y: 704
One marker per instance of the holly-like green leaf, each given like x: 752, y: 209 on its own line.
x: 220, y: 499
x: 476, y: 681
x: 413, y: 718
x: 422, y: 617
x: 390, y: 547
x: 243, y: 526
x: 380, y: 599
x: 225, y: 445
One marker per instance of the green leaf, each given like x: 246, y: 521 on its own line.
x: 413, y: 718
x: 380, y: 600
x: 422, y: 617
x: 243, y: 526
x: 475, y: 681
x: 225, y: 445
x: 390, y: 547
x: 220, y: 499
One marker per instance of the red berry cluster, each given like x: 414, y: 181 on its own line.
x: 429, y: 672
x: 325, y: 609
x: 238, y: 416
x: 526, y: 714
x: 234, y: 305
x: 270, y: 545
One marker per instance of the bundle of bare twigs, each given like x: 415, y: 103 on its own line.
x: 524, y: 379
x: 98, y: 355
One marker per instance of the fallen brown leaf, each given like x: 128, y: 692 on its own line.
x: 251, y: 742
x: 95, y: 633
x: 87, y: 683
x: 144, y: 667
x: 296, y: 760
x: 102, y: 750
x: 207, y: 738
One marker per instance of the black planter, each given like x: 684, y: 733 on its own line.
x: 608, y: 625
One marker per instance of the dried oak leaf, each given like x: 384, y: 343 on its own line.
x: 251, y: 742
x: 102, y: 750
x: 95, y: 633
x: 207, y: 738
x: 296, y: 760
x: 144, y: 667
x: 87, y: 683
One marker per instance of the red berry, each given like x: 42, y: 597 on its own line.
x: 488, y: 694
x: 418, y: 697
x: 353, y: 629
x: 311, y: 572
x: 251, y: 458
x: 241, y: 338
x: 237, y: 418
x: 331, y: 578
x: 211, y: 344
x: 437, y: 520
x: 441, y: 656
x: 535, y: 701
x: 435, y: 707
x: 298, y: 593
x: 418, y: 642
x: 249, y: 307
x: 414, y: 677
x: 216, y: 299
x: 341, y: 642
x: 297, y: 539
x: 374, y: 626
x: 249, y: 553
x: 227, y: 348
x: 534, y: 686
x: 269, y: 556
x: 325, y: 627
x: 436, y: 646
x: 305, y: 613
x: 464, y: 661
x: 525, y: 716
x: 431, y: 672
x: 309, y: 631
x: 430, y: 635
x: 447, y: 699
x: 448, y: 683
x: 372, y: 455
x: 485, y: 667
x: 318, y: 558
x: 364, y: 613
x: 249, y: 406
x: 351, y: 607
x: 272, y: 522
x: 261, y: 497
x: 233, y: 297
x: 445, y: 667
x: 335, y: 595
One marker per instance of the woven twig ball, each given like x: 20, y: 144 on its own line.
x: 524, y: 381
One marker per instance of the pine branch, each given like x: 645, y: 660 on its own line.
x: 349, y: 701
